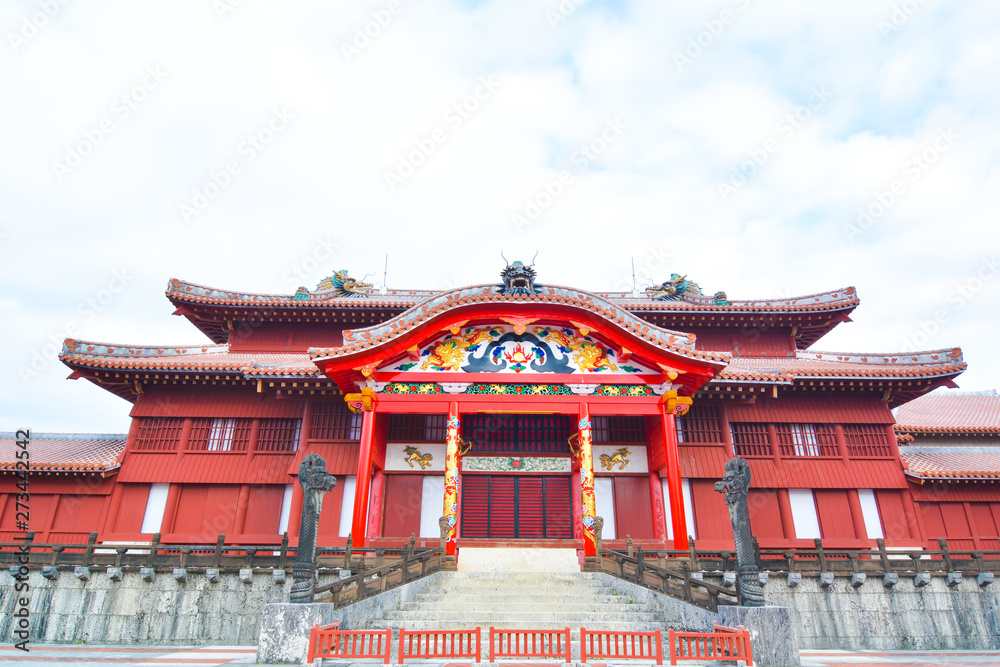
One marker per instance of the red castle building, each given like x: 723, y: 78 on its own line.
x: 504, y: 413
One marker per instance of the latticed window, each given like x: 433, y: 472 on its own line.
x: 750, y: 439
x: 517, y: 434
x: 867, y: 440
x: 618, y: 429
x: 159, y: 434
x: 335, y: 421
x: 807, y: 440
x: 220, y: 435
x: 279, y: 435
x: 700, y: 424
x: 417, y: 428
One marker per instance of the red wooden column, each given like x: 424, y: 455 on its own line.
x: 857, y: 515
x: 451, y: 477
x: 576, y: 493
x: 113, y: 505
x: 376, y: 504
x: 677, y: 520
x: 841, y: 438
x: 359, y: 525
x: 656, y: 500
x: 587, y: 482
x: 727, y: 433
x: 785, y: 512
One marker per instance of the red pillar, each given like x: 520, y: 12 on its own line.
x: 170, y: 511
x: 376, y: 504
x: 785, y: 511
x: 727, y: 433
x: 587, y: 482
x: 857, y: 515
x: 242, y: 502
x: 450, y: 512
x: 656, y: 500
x: 841, y: 438
x: 576, y: 492
x: 913, y: 518
x: 109, y: 519
x: 677, y: 518
x: 361, y: 491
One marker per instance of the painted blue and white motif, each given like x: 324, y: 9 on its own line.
x: 502, y: 349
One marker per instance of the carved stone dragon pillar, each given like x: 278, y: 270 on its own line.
x: 315, y: 481
x: 735, y: 485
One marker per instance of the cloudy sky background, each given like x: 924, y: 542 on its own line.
x: 672, y: 100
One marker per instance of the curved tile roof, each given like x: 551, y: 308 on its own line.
x: 951, y: 412
x: 181, y: 290
x: 955, y: 463
x: 357, y: 340
x: 190, y: 358
x: 66, y: 451
x: 838, y: 365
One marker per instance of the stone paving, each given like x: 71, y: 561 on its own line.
x: 180, y: 656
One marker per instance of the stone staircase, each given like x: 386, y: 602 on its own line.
x: 526, y: 600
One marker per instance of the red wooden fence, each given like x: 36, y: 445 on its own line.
x: 621, y: 645
x: 723, y: 644
x: 439, y: 644
x: 329, y: 641
x: 530, y: 644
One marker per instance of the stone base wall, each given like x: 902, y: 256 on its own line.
x: 872, y: 616
x: 133, y: 611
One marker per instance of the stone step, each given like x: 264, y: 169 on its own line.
x: 458, y: 624
x: 522, y: 598
x: 528, y: 618
x: 556, y: 605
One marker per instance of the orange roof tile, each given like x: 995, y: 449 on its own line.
x: 951, y: 463
x: 65, y: 451
x: 837, y: 365
x: 951, y: 412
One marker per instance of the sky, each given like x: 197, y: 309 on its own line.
x: 765, y: 148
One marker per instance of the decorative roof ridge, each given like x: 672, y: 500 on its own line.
x: 185, y: 290
x: 947, y: 430
x: 848, y: 295
x: 947, y: 450
x: 74, y: 347
x: 927, y: 358
x: 356, y: 340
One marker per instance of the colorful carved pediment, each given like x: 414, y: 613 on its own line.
x: 513, y: 349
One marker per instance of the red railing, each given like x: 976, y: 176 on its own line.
x: 329, y: 641
x: 621, y: 645
x: 530, y: 644
x: 723, y: 644
x: 439, y: 644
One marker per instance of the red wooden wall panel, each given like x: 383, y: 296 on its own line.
x: 282, y: 338
x: 633, y: 514
x: 755, y: 343
x: 826, y: 410
x: 834, y: 513
x: 264, y: 509
x: 401, y: 516
x: 205, y: 510
x: 133, y: 508
x: 210, y: 402
x: 982, y: 514
x: 711, y: 515
x: 765, y: 518
x: 59, y: 484
x: 78, y: 514
x: 890, y: 511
